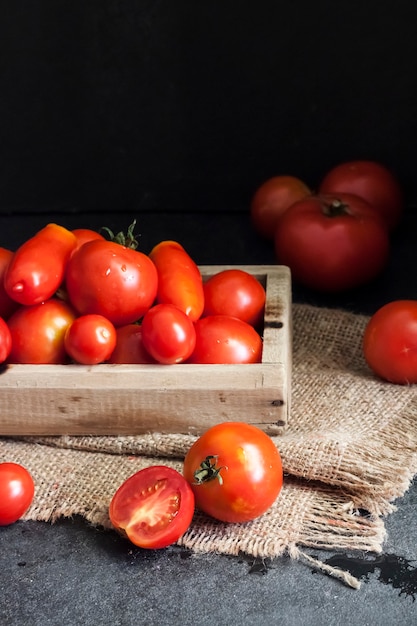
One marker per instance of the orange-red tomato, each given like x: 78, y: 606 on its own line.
x: 37, y: 268
x: 236, y: 293
x: 390, y: 342
x: 168, y: 334
x: 235, y: 471
x: 179, y: 278
x: 84, y: 235
x: 371, y: 181
x: 16, y: 492
x: 90, y: 339
x: 153, y: 508
x: 272, y: 199
x: 5, y: 340
x: 224, y: 339
x: 7, y: 304
x: 129, y: 346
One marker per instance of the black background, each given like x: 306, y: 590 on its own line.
x: 152, y: 105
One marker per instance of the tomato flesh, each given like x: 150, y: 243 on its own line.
x: 153, y: 508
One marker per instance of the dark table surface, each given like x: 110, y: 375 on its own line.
x: 69, y: 573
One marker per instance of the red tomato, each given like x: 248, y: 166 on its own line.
x: 16, y: 492
x: 235, y: 472
x: 332, y: 243
x: 90, y: 339
x: 83, y: 235
x: 153, y: 508
x: 235, y: 293
x: 179, y: 279
x: 168, y: 334
x: 371, y: 181
x: 390, y: 342
x: 37, y: 268
x: 5, y: 340
x: 129, y: 346
x: 272, y: 199
x: 7, y: 304
x: 38, y: 332
x: 112, y: 280
x: 224, y: 339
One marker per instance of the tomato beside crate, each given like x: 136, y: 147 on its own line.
x: 110, y: 399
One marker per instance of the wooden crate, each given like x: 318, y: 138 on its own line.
x: 135, y: 399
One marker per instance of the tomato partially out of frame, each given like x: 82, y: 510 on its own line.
x: 332, y: 242
x: 390, y: 342
x: 235, y: 471
x: 16, y: 492
x: 153, y: 508
x: 272, y: 199
x: 5, y: 340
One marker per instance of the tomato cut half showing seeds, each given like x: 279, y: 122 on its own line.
x: 153, y: 508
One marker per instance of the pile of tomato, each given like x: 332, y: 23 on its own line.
x: 77, y: 296
x: 338, y: 237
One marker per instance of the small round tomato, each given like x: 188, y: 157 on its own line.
x: 371, y: 181
x: 5, y: 340
x: 333, y: 242
x: 112, y: 280
x: 153, y: 508
x: 7, y: 304
x: 90, y: 339
x: 390, y: 342
x: 272, y: 199
x: 236, y: 293
x: 168, y: 334
x: 16, y: 492
x: 235, y: 471
x: 224, y: 339
x: 129, y: 346
x: 38, y: 332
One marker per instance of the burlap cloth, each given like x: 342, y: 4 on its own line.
x: 350, y: 450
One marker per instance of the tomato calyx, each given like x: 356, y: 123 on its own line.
x: 335, y: 208
x: 208, y: 470
x: 127, y: 240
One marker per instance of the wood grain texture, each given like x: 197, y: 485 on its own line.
x: 135, y: 399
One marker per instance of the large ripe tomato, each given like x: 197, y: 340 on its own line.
x: 153, y: 508
x: 112, y: 280
x: 7, y: 304
x: 168, y: 334
x: 16, y: 492
x: 5, y: 340
x: 390, y: 342
x: 90, y: 339
x: 37, y: 268
x: 332, y: 242
x: 224, y: 339
x: 38, y: 332
x: 129, y: 346
x: 272, y: 199
x: 235, y: 472
x: 179, y: 278
x: 371, y: 181
x: 236, y: 293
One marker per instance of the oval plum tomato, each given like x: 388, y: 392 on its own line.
x: 38, y: 332
x: 225, y: 339
x: 272, y: 199
x: 235, y: 471
x: 37, y: 268
x: 16, y: 492
x: 129, y: 346
x: 112, y: 280
x: 90, y: 339
x: 153, y: 508
x: 179, y: 278
x: 168, y: 334
x: 333, y: 242
x: 5, y: 340
x: 236, y: 293
x: 371, y: 181
x: 7, y: 304
x: 390, y: 342
x: 83, y: 235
